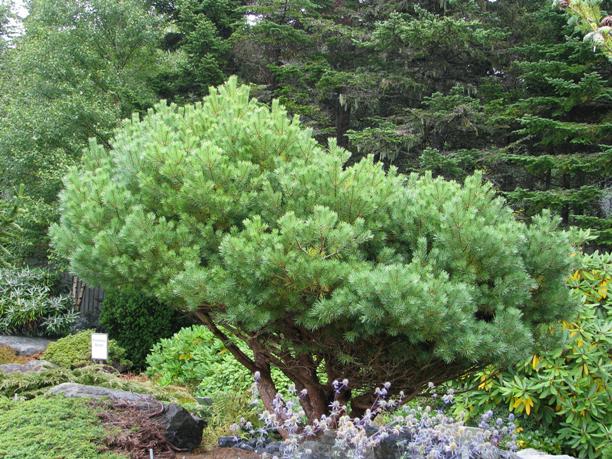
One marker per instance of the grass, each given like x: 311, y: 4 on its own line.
x: 47, y: 427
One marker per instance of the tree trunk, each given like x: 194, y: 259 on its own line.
x: 565, y: 210
x: 265, y: 383
x: 343, y: 119
x: 316, y: 401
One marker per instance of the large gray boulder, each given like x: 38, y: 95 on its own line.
x: 182, y: 429
x: 73, y: 390
x: 23, y: 345
x: 535, y: 454
x: 28, y: 367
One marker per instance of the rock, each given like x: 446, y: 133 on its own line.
x: 246, y: 446
x: 321, y: 448
x: 535, y: 454
x: 182, y: 429
x: 204, y: 401
x: 272, y: 449
x: 23, y: 345
x: 28, y: 367
x: 392, y: 447
x: 228, y: 441
x: 73, y: 390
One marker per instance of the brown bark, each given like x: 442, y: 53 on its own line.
x: 244, y: 359
x: 265, y: 383
x: 316, y: 401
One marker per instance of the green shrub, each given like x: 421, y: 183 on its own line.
x: 9, y: 230
x: 565, y: 392
x: 74, y: 351
x: 51, y: 427
x: 193, y: 357
x: 32, y: 384
x: 137, y: 322
x: 27, y: 305
x: 231, y: 210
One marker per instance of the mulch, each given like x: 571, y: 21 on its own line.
x: 132, y: 432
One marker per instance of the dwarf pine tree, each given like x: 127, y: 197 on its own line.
x: 232, y: 211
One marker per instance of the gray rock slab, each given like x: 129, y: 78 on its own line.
x: 73, y: 390
x: 23, y: 345
x: 531, y: 453
x: 28, y: 367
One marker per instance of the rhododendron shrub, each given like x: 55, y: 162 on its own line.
x: 325, y: 269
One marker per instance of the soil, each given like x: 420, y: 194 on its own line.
x: 220, y: 453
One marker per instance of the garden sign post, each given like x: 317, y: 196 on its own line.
x: 99, y: 346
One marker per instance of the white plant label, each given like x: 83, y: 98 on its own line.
x: 99, y: 346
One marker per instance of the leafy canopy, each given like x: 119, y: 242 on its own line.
x: 75, y: 72
x: 232, y: 210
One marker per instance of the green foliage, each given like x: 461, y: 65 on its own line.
x: 79, y: 68
x: 28, y: 307
x: 227, y: 408
x: 193, y: 357
x: 199, y: 39
x: 564, y: 390
x: 9, y: 230
x: 137, y: 322
x: 230, y: 209
x: 74, y: 351
x: 483, y: 83
x: 7, y: 28
x: 66, y: 428
x: 34, y: 384
x: 488, y: 85
x: 31, y: 384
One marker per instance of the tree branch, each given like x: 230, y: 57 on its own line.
x: 228, y: 343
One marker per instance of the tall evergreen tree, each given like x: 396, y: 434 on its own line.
x: 542, y: 128
x: 198, y: 40
x: 448, y: 86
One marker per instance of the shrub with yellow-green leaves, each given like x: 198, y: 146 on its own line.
x: 565, y: 390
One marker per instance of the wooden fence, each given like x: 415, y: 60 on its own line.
x: 87, y: 300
